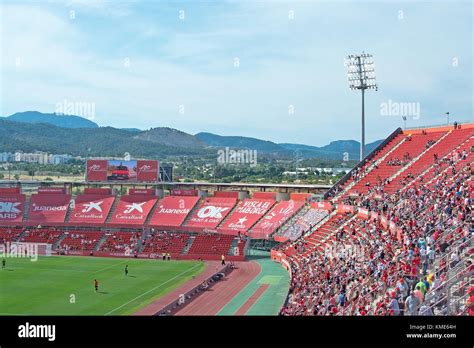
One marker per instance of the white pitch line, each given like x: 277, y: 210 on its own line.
x: 106, y: 268
x: 156, y: 287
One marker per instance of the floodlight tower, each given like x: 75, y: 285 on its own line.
x: 361, y: 75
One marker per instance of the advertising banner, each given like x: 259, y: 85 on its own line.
x: 11, y: 207
x: 172, y: 210
x: 211, y: 212
x: 279, y: 214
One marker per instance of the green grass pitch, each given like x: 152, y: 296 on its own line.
x: 62, y: 285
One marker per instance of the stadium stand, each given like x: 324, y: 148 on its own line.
x: 10, y: 234
x: 304, y: 224
x: 214, y: 244
x: 42, y: 235
x: 121, y: 242
x: 79, y: 241
x: 158, y: 242
x: 405, y: 247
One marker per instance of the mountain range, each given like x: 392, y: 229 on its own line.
x: 32, y: 130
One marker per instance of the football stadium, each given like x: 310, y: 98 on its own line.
x: 392, y: 236
x: 235, y: 172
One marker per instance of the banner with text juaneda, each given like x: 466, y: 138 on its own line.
x: 121, y: 170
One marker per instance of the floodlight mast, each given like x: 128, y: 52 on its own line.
x: 361, y: 75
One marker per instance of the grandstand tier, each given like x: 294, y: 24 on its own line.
x: 400, y: 239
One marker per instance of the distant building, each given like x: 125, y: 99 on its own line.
x: 35, y: 157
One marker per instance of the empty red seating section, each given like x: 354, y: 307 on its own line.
x: 91, y: 208
x: 171, y: 211
x: 81, y: 240
x: 406, y: 152
x: 132, y: 209
x: 121, y: 242
x: 8, y: 234
x: 441, y: 149
x: 48, y: 208
x: 211, y: 212
x: 245, y: 215
x: 11, y: 207
x: 166, y: 242
x: 388, y: 147
x: 43, y: 235
x: 215, y: 244
x: 279, y: 214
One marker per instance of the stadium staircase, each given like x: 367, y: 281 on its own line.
x: 414, y: 147
x: 222, y: 223
x: 189, y: 244
x: 58, y: 241
x: 191, y: 213
x: 112, y: 209
x: 152, y: 212
x: 26, y: 210
x: 20, y: 236
x: 430, y: 171
x: 327, y: 232
x: 143, y: 237
x: 423, y: 160
x: 101, y: 241
x: 70, y: 208
x: 319, y: 223
x: 376, y: 160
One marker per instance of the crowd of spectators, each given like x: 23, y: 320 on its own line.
x: 371, y: 270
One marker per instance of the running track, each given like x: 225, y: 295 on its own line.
x: 151, y: 309
x: 213, y: 300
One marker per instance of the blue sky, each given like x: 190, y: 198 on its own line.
x: 182, y: 71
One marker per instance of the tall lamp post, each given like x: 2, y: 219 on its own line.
x: 361, y: 76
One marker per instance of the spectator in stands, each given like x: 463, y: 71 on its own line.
x: 411, y: 304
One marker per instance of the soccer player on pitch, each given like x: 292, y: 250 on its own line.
x: 126, y: 270
x: 96, y: 285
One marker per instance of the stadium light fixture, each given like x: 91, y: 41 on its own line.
x: 361, y: 76
x: 404, y: 122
